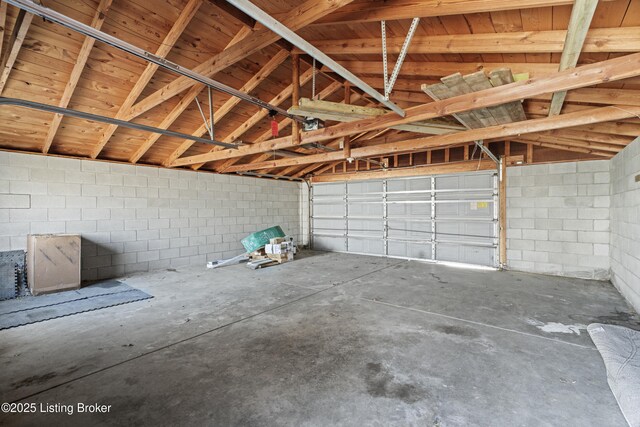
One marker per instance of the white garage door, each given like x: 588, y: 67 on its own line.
x: 443, y: 218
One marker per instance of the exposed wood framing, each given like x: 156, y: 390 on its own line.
x: 20, y: 28
x: 3, y: 23
x: 165, y: 47
x: 597, y: 40
x: 250, y: 85
x: 74, y: 78
x: 297, y: 18
x: 328, y: 91
x: 179, y: 108
x: 435, y: 169
x: 262, y: 113
x: 579, y: 24
x: 295, y: 94
x: 609, y: 70
x: 341, y: 112
x: 458, y: 138
x: 377, y: 10
x: 502, y: 217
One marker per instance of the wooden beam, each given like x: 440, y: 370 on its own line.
x: 74, y: 78
x: 3, y: 23
x: 169, y: 40
x: 579, y: 23
x: 587, y: 75
x: 502, y: 216
x: 605, y: 40
x: 529, y: 153
x: 340, y: 112
x: 599, y: 96
x: 434, y: 169
x: 560, y: 146
x: 299, y: 17
x: 377, y: 10
x: 20, y: 28
x: 458, y: 138
x: 441, y: 69
x: 295, y: 94
x: 347, y: 139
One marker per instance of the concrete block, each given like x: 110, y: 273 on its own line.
x: 47, y: 227
x: 577, y: 248
x: 96, y: 190
x: 563, y: 190
x: 78, y: 177
x: 593, y: 236
x: 535, y: 234
x: 593, y: 213
x: 59, y: 189
x: 80, y: 227
x: 578, y: 224
x: 593, y: 166
x: 65, y: 214
x: 110, y: 225
x: 81, y: 202
x: 16, y: 201
x: 97, y: 214
x: 568, y: 168
x: 563, y: 236
x: 137, y: 246
x: 123, y: 236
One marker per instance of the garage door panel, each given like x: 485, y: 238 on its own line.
x: 410, y: 250
x: 444, y: 218
x: 465, y: 254
x: 366, y: 246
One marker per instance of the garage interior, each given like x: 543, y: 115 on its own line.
x: 461, y: 181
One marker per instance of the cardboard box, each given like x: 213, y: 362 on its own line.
x: 53, y: 262
x: 276, y: 240
x: 276, y: 248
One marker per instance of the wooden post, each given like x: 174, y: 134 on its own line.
x: 295, y: 94
x: 507, y: 148
x: 502, y: 218
x: 529, y: 153
x: 347, y: 139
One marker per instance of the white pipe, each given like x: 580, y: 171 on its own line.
x: 277, y: 27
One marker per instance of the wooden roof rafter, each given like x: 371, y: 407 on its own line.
x: 186, y: 15
x: 76, y: 73
x: 20, y: 28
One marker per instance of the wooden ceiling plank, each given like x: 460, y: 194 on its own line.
x: 579, y: 23
x: 501, y: 113
x: 250, y: 85
x: 440, y: 69
x: 20, y: 28
x: 504, y: 76
x: 458, y: 86
x: 374, y: 11
x: 551, y: 41
x: 76, y: 73
x: 299, y: 17
x: 440, y: 91
x: 165, y: 47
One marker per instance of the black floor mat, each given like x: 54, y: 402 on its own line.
x: 27, y: 310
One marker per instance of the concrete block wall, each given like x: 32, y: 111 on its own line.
x: 625, y: 223
x: 558, y: 218
x: 137, y: 218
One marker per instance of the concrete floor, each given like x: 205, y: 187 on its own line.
x: 330, y: 339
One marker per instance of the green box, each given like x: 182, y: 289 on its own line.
x: 257, y: 240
